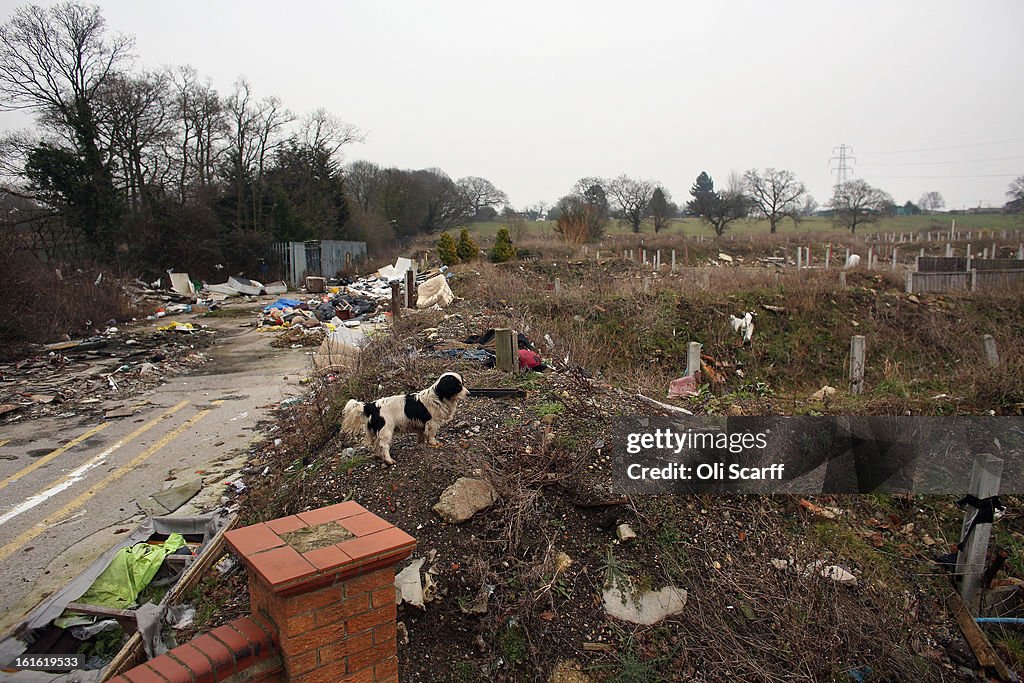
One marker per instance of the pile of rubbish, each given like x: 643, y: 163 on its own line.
x: 98, y: 374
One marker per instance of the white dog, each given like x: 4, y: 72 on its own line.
x: 423, y: 413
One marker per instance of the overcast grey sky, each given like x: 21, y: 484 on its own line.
x: 534, y: 95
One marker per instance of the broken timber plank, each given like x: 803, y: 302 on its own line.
x: 976, y: 638
x: 496, y: 393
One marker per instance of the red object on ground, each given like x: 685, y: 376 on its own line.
x: 528, y: 360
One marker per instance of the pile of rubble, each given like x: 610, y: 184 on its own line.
x: 98, y: 375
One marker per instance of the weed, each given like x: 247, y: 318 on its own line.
x: 512, y: 643
x: 549, y: 408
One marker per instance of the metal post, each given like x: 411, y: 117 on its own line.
x: 910, y: 282
x: 857, y: 364
x: 970, y: 561
x: 673, y: 260
x: 895, y: 257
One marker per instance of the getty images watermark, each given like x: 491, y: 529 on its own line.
x: 809, y: 455
x: 667, y: 440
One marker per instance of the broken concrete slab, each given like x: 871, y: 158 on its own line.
x: 173, y: 498
x: 646, y: 607
x: 625, y: 533
x: 181, y: 283
x: 463, y: 499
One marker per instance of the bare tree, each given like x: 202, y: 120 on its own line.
x: 327, y: 134
x: 137, y: 122
x: 363, y: 182
x: 631, y: 198
x: 202, y: 131
x: 482, y: 193
x: 931, y: 201
x: 856, y: 203
x: 774, y: 194
x: 54, y: 60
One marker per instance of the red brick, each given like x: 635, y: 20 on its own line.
x: 362, y: 676
x: 389, y: 667
x: 328, y: 673
x: 346, y: 647
x: 371, y: 656
x: 281, y: 566
x: 195, y: 661
x: 332, y: 513
x: 253, y: 539
x: 385, y: 632
x: 170, y: 669
x: 370, y: 581
x: 382, y: 596
x: 311, y: 640
x: 371, y: 619
x: 234, y: 641
x: 362, y: 525
x: 285, y: 524
x: 215, y: 651
x: 311, y: 601
x: 302, y: 663
x: 344, y: 609
x: 326, y: 559
x: 298, y: 624
x: 119, y: 679
x: 386, y: 679
x: 143, y: 674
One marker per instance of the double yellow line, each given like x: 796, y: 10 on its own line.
x: 52, y: 454
x: 81, y: 499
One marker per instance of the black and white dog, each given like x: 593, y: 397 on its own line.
x: 423, y: 413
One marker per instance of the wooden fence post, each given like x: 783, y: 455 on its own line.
x: 895, y: 258
x: 396, y: 300
x: 842, y: 279
x: 857, y: 364
x: 673, y: 260
x: 506, y: 350
x: 799, y: 257
x: 558, y: 286
x: 988, y: 342
x: 970, y: 561
x: 910, y: 282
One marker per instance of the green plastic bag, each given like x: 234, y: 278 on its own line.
x: 125, y: 577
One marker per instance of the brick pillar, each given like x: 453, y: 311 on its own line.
x: 324, y: 580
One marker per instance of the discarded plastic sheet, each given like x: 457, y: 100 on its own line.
x: 278, y: 287
x: 408, y: 587
x: 245, y: 286
x: 282, y: 304
x: 341, y: 348
x: 435, y: 291
x: 175, y: 326
x: 683, y: 387
x: 125, y: 577
x: 171, y: 499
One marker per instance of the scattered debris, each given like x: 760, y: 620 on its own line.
x: 463, y: 499
x: 744, y: 326
x: 644, y: 607
x: 625, y: 533
x: 823, y: 393
x: 408, y: 586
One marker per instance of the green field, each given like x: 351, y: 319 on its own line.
x: 693, y: 226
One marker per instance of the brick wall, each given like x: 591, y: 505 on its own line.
x: 322, y: 597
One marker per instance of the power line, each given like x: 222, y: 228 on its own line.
x: 983, y: 175
x: 937, y: 149
x: 941, y: 163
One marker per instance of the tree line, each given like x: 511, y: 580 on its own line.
x: 130, y: 167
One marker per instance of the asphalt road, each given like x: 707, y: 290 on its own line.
x: 73, y: 482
